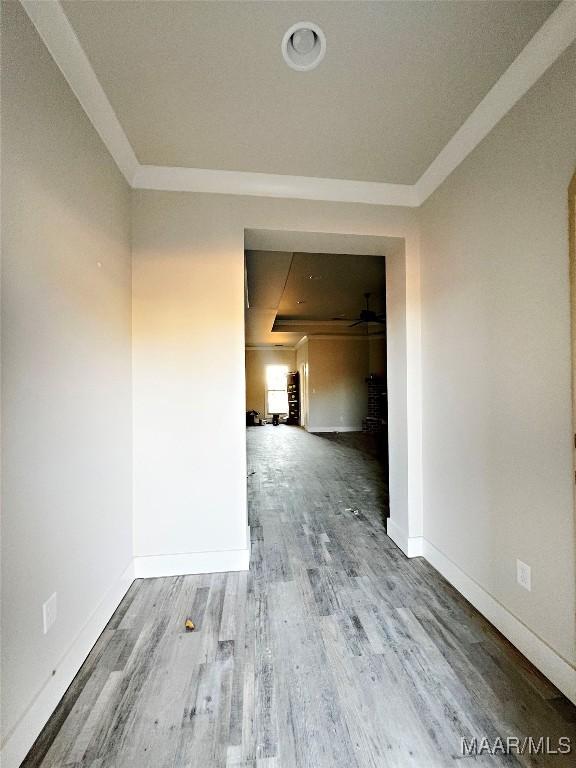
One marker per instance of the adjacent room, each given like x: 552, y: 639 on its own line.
x: 288, y: 320
x: 316, y: 364
x: 323, y: 318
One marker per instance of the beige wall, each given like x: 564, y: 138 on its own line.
x: 189, y: 378
x: 495, y: 365
x: 496, y: 361
x: 256, y: 362
x: 66, y: 392
x: 338, y: 395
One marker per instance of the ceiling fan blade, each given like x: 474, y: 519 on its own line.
x: 358, y: 322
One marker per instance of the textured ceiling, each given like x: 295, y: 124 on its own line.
x: 329, y: 285
x: 203, y: 84
x: 296, y: 294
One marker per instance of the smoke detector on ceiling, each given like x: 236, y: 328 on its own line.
x: 304, y: 46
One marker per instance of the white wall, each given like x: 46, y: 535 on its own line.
x: 338, y: 393
x: 495, y: 369
x: 256, y: 362
x: 401, y: 527
x: 498, y: 477
x: 66, y: 400
x: 188, y: 363
x: 302, y: 367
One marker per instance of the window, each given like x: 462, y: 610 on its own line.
x: 276, y: 389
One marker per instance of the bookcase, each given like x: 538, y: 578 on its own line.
x: 293, y: 387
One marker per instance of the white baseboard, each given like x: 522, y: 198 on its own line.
x: 334, y: 429
x: 410, y: 545
x: 553, y: 666
x: 35, y: 718
x: 544, y: 658
x: 151, y: 566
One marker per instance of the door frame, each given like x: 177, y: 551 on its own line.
x: 303, y: 395
x: 572, y: 257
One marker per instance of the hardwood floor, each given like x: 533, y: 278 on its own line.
x: 333, y: 651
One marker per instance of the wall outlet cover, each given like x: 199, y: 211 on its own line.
x: 524, y: 575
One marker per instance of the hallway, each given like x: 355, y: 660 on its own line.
x: 333, y: 651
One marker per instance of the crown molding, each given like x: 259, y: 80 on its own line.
x: 303, y: 340
x: 547, y: 45
x: 269, y: 348
x: 549, y: 42
x: 60, y: 39
x: 340, y: 336
x: 337, y: 323
x: 273, y: 185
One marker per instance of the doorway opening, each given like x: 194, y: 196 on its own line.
x: 402, y: 354
x: 316, y: 361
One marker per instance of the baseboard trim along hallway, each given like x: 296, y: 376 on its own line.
x: 410, y: 545
x: 330, y: 630
x: 556, y: 669
x: 544, y: 658
x: 37, y: 715
x: 192, y: 563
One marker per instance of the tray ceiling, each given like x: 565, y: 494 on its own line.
x: 204, y: 84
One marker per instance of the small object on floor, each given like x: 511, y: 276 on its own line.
x: 275, y: 419
x: 189, y: 624
x: 356, y: 512
x: 252, y: 418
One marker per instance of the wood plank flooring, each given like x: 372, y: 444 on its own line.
x: 333, y: 651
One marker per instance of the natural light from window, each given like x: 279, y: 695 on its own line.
x: 276, y: 389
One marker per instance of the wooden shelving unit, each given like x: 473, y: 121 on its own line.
x: 293, y: 386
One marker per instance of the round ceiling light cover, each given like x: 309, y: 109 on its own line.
x: 304, y: 46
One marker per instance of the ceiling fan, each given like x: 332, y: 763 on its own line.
x: 368, y: 315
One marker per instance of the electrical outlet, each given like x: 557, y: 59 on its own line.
x: 524, y: 575
x: 49, y: 612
